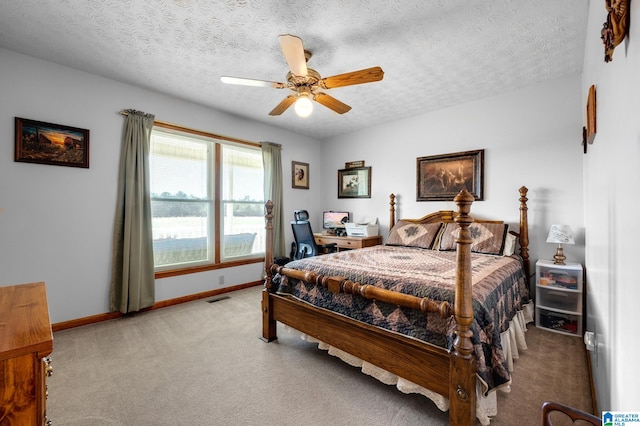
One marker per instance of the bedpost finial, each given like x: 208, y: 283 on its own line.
x: 464, y: 200
x: 523, y: 192
x: 269, y: 215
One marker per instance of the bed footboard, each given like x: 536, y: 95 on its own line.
x: 343, y: 285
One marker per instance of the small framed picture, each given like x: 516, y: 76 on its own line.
x: 299, y: 175
x: 47, y: 143
x: 354, y: 182
x: 352, y: 164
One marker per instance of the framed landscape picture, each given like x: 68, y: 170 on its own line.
x: 47, y: 143
x: 354, y: 182
x: 441, y: 177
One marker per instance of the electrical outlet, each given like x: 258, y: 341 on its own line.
x: 590, y: 340
x: 221, y: 280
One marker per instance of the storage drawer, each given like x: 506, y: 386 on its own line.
x: 565, y: 323
x: 559, y: 299
x: 564, y: 278
x: 341, y: 242
x: 320, y: 241
x: 348, y: 243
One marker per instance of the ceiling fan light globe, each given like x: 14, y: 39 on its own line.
x: 304, y: 106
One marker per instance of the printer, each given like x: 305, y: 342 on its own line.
x: 365, y: 227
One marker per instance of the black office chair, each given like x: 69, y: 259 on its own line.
x: 304, y: 244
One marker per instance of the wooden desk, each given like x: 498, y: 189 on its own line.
x: 348, y: 243
x: 25, y: 340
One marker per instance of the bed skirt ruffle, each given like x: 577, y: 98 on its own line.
x: 513, y: 341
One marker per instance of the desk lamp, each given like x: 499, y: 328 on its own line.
x: 560, y: 234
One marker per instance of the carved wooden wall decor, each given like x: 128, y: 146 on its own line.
x: 616, y: 27
x: 591, y: 114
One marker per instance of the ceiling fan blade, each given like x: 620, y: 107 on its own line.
x: 368, y: 75
x: 282, y: 106
x: 294, y: 54
x: 251, y: 82
x: 332, y: 103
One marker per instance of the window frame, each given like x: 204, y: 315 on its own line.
x: 215, y: 180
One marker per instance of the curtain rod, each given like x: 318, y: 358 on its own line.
x: 172, y: 126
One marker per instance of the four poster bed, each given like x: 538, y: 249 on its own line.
x: 428, y: 311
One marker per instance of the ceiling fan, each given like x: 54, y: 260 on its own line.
x: 306, y: 83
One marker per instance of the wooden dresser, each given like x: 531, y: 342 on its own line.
x: 26, y: 340
x: 348, y: 243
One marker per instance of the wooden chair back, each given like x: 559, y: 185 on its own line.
x: 574, y: 414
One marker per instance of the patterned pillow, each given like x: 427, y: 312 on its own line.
x: 410, y: 234
x: 487, y: 238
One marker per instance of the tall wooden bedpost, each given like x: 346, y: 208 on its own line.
x: 268, y: 323
x: 392, y: 210
x: 524, y: 231
x: 462, y: 367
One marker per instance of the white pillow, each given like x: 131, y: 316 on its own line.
x: 509, y: 245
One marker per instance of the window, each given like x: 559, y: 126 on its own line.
x: 207, y: 201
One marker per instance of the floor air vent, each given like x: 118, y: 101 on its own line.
x: 217, y: 299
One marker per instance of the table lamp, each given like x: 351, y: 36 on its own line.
x: 560, y: 234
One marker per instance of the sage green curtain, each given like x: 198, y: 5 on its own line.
x: 272, y: 164
x: 132, y: 278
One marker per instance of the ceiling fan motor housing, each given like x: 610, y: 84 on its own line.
x: 310, y: 80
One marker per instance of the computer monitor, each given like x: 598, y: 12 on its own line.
x: 334, y: 220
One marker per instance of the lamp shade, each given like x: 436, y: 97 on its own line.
x: 560, y: 234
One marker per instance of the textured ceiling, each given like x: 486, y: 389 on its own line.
x: 435, y: 53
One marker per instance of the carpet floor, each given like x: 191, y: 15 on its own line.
x: 202, y: 363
